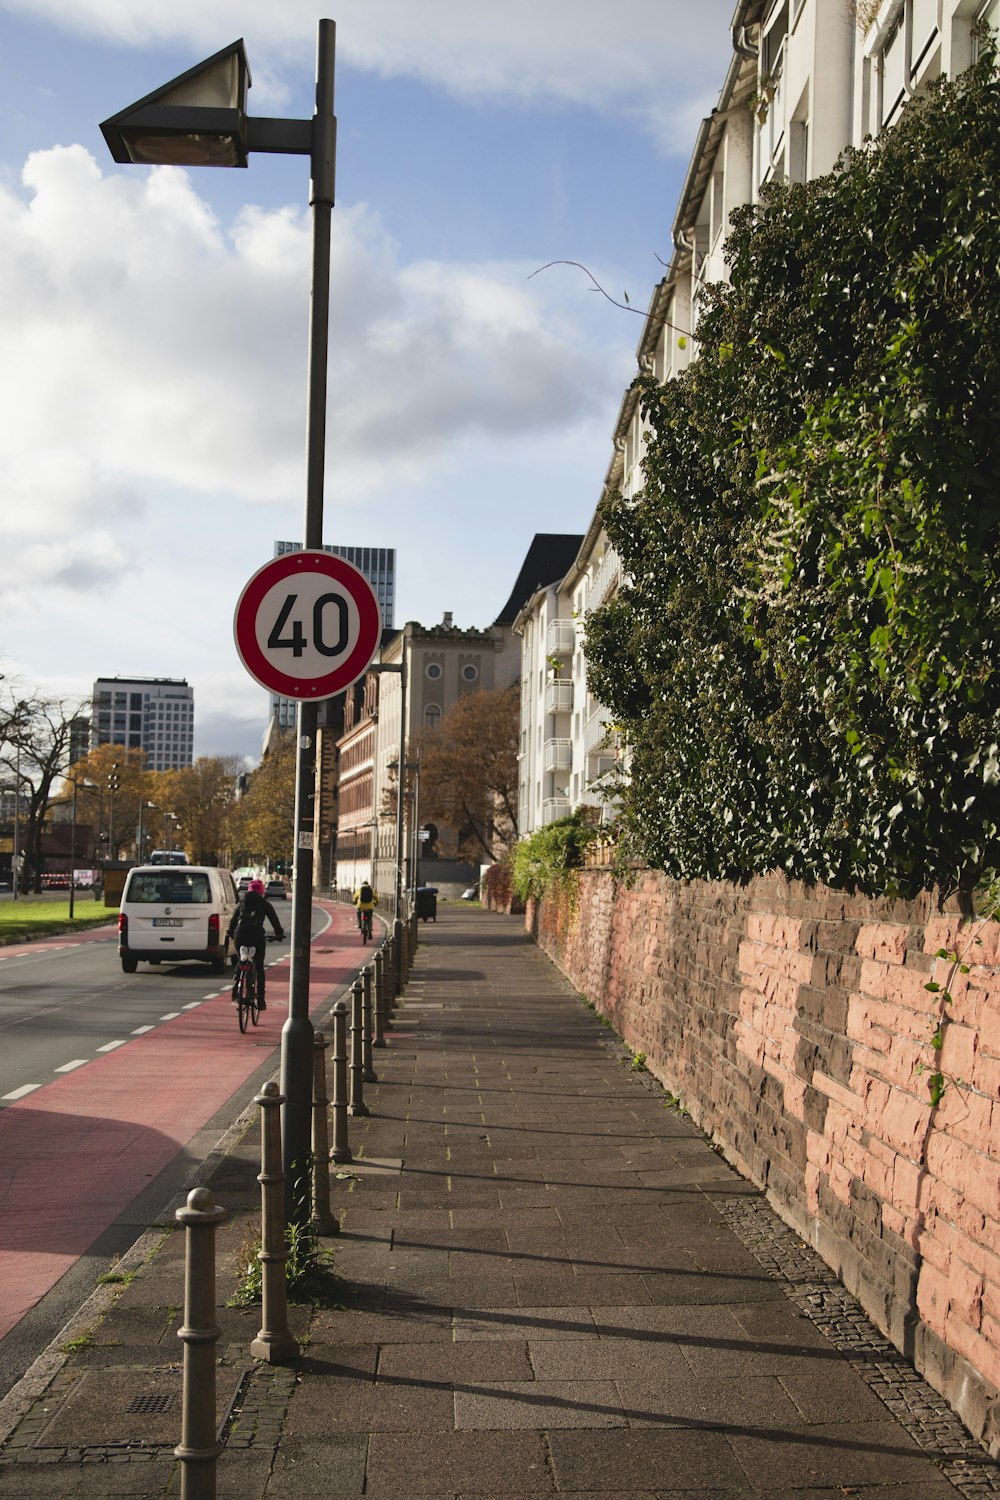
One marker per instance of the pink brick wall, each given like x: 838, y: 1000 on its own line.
x: 794, y: 1023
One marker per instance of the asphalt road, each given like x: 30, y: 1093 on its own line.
x: 112, y: 1088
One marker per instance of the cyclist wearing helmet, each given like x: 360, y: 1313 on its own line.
x: 246, y: 928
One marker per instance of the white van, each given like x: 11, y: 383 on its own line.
x: 170, y: 912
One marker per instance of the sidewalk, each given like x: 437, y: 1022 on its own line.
x: 552, y: 1286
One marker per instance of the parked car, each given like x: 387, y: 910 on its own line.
x: 173, y: 912
x: 275, y: 890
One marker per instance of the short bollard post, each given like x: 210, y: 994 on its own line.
x: 367, y: 1013
x: 397, y: 956
x: 199, y: 1446
x: 341, y: 1145
x: 378, y: 1014
x: 357, y: 1105
x: 273, y: 1342
x: 323, y: 1220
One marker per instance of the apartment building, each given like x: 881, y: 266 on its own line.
x: 155, y: 714
x: 804, y: 80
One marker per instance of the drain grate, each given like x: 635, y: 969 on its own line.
x: 144, y: 1406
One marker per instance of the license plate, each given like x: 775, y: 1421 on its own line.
x: 167, y: 922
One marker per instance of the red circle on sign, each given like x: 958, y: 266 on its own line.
x: 265, y: 668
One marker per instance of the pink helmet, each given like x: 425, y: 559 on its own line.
x: 257, y: 886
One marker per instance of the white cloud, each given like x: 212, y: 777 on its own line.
x: 147, y: 350
x: 658, y: 61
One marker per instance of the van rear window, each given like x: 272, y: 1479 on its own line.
x: 171, y: 885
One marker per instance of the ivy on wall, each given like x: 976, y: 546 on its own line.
x: 804, y: 651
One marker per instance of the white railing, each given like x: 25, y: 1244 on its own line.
x: 558, y: 755
x: 559, y: 696
x: 605, y: 578
x: 554, y: 808
x: 560, y: 637
x: 596, y: 731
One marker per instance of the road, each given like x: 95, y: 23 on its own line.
x: 112, y: 1088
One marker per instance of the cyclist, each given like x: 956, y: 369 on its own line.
x: 246, y: 928
x: 365, y: 900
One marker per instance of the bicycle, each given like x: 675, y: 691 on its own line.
x: 365, y: 923
x: 245, y: 985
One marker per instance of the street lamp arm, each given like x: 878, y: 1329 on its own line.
x: 280, y: 137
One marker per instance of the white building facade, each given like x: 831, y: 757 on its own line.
x: 155, y: 714
x: 805, y: 80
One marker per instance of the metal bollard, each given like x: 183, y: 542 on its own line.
x: 367, y: 1009
x: 357, y: 1105
x: 323, y: 1220
x: 341, y: 1146
x: 274, y: 1342
x: 397, y: 959
x: 378, y: 1011
x: 199, y: 1446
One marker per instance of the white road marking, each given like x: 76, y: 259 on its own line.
x: 110, y: 1046
x: 78, y: 1062
x: 27, y: 1088
x: 194, y: 1004
x: 171, y: 1015
x: 141, y: 1030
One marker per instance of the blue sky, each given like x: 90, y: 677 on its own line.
x: 153, y: 322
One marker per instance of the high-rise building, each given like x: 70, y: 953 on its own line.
x: 378, y: 564
x: 155, y: 714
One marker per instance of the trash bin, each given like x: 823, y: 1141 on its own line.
x: 427, y: 903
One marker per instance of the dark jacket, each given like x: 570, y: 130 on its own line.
x: 246, y: 926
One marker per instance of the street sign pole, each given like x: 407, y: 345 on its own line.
x: 297, y: 1035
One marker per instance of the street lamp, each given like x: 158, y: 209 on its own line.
x: 200, y: 119
x: 72, y: 840
x: 143, y: 804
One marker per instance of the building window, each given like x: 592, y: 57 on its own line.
x: 433, y: 670
x: 987, y: 18
x: 470, y: 672
x: 432, y: 716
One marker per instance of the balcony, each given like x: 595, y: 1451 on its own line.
x: 605, y: 579
x: 554, y: 808
x: 597, y: 732
x: 560, y: 638
x: 558, y: 755
x: 559, y: 696
x: 599, y: 765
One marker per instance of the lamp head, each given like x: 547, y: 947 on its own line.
x: 197, y: 120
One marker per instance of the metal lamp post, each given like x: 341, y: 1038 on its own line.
x: 143, y: 804
x: 72, y: 838
x: 200, y: 119
x: 72, y: 850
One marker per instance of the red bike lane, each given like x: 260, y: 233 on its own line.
x: 77, y: 1151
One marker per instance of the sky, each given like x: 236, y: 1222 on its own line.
x: 154, y: 321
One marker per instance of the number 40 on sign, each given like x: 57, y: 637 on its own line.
x: 307, y: 625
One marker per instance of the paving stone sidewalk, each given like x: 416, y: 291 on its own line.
x: 551, y: 1285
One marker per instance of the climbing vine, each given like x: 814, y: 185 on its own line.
x: 804, y: 652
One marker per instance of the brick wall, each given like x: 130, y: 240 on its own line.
x: 795, y: 1026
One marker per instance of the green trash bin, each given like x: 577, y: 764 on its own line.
x: 427, y: 903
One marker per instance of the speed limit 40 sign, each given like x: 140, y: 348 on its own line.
x: 307, y: 625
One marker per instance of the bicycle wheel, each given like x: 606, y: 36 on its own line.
x: 253, y: 996
x: 242, y: 1000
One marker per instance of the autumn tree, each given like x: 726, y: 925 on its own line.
x: 261, y: 825
x: 469, y: 772
x: 38, y: 734
x: 196, y: 803
x: 111, y: 783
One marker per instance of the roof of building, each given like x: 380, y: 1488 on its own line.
x: 548, y: 560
